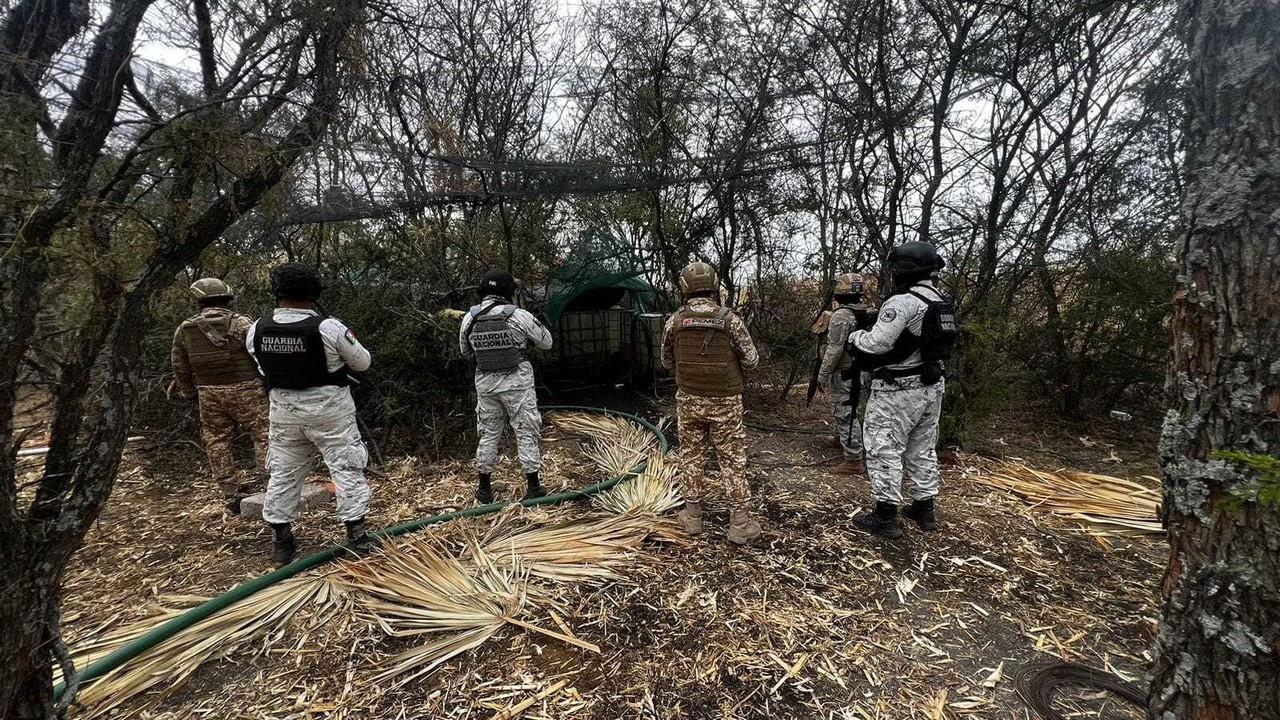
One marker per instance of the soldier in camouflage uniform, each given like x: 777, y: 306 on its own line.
x: 210, y: 364
x: 709, y: 347
x: 836, y: 373
x: 496, y: 335
x: 906, y: 351
x: 306, y: 358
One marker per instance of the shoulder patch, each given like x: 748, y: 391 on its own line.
x: 350, y: 336
x: 888, y: 314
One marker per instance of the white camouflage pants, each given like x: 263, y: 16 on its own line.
x: 846, y: 417
x: 493, y: 412
x: 901, y: 430
x: 292, y: 446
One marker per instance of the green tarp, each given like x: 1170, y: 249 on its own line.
x: 562, y: 296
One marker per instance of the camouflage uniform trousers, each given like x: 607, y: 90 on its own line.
x: 222, y: 408
x: 718, y: 419
x: 846, y: 416
x: 518, y: 407
x: 304, y: 422
x: 902, y: 430
x: 293, y: 447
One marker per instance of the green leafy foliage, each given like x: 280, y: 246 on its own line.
x: 1263, y: 484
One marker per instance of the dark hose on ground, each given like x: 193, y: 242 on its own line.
x: 134, y: 648
x: 1038, y: 682
x: 796, y: 430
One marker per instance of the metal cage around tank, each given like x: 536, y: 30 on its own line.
x: 605, y: 330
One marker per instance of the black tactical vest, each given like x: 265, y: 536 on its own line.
x: 937, y: 336
x: 496, y: 347
x: 292, y: 355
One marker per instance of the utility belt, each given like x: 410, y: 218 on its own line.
x: 929, y: 373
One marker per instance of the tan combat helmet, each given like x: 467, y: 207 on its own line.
x: 849, y: 284
x: 861, y: 284
x: 698, y: 277
x: 211, y: 288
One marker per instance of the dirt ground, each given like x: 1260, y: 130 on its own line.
x: 815, y: 620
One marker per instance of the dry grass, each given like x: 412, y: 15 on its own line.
x: 816, y: 620
x: 414, y: 587
x: 1102, y: 503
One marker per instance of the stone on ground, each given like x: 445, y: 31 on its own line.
x: 314, y: 495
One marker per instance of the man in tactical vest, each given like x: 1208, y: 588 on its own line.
x: 210, y: 364
x: 839, y: 374
x: 304, y: 357
x: 709, y: 347
x: 496, y: 335
x: 906, y: 350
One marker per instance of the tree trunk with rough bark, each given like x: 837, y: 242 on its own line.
x: 1218, y: 649
x: 40, y: 533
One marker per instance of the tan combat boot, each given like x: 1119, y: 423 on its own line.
x: 690, y: 517
x: 742, y: 529
x: 851, y: 467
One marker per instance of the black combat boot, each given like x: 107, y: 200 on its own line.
x: 881, y: 521
x: 484, y: 491
x: 534, y: 486
x: 359, y: 541
x: 233, y: 502
x: 922, y: 512
x: 285, y: 546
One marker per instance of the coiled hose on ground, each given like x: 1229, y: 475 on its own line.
x: 127, y: 652
x: 1038, y: 682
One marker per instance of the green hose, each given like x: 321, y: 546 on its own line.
x: 136, y: 647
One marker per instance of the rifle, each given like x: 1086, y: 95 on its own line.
x: 864, y: 319
x: 813, y: 381
x: 854, y: 376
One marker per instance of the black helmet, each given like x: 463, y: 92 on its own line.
x: 296, y: 281
x: 915, y: 260
x: 498, y: 282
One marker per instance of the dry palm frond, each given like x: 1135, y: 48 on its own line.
x: 615, y: 459
x: 411, y: 589
x: 654, y: 491
x: 260, y: 618
x: 604, y: 427
x: 575, y: 551
x: 587, y: 424
x: 417, y: 589
x: 1102, y: 503
x: 618, y: 444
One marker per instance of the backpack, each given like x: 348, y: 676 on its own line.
x: 938, y: 335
